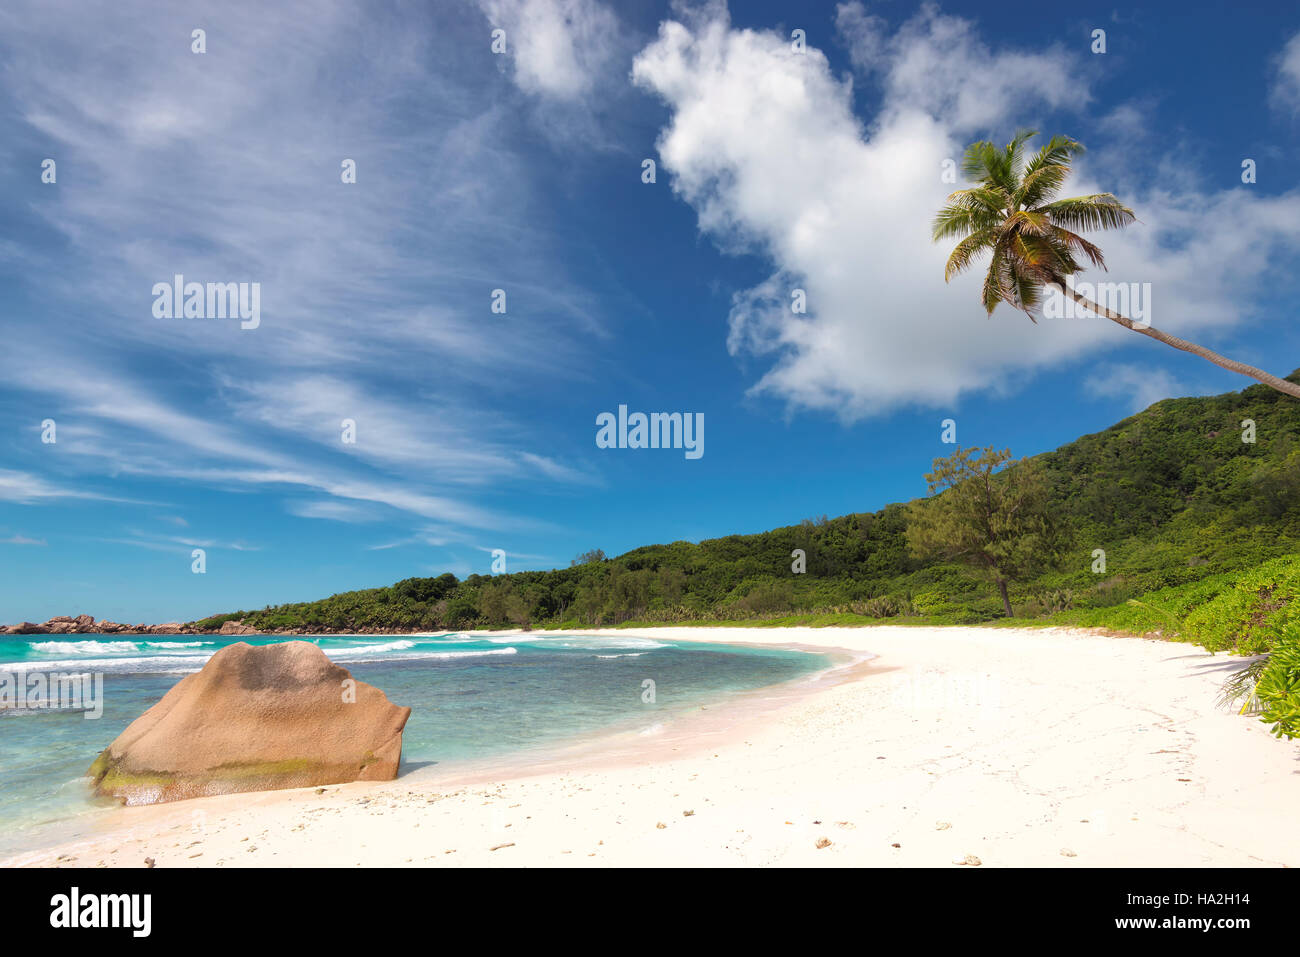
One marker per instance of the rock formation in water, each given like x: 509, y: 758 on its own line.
x: 256, y: 718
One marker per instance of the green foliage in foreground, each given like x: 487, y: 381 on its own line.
x: 1200, y: 531
x: 1242, y: 612
x: 1278, y: 688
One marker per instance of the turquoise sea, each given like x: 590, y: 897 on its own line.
x: 472, y: 697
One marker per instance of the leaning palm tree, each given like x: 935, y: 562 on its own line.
x: 1010, y: 213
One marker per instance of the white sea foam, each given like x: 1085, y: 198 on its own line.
x: 361, y: 654
x: 155, y: 664
x: 84, y: 647
x: 486, y: 653
x: 371, y: 649
x: 186, y: 664
x: 582, y: 642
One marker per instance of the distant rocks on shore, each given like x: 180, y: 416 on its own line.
x: 255, y: 718
x: 87, y: 625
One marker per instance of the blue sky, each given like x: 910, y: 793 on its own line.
x: 522, y: 171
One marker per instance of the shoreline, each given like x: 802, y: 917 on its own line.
x: 1054, y: 747
x: 609, y: 746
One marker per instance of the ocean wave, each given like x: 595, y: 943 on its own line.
x: 626, y: 654
x: 441, y: 655
x: 371, y: 649
x: 156, y: 664
x: 84, y: 647
x: 582, y: 642
x: 179, y: 644
x: 178, y: 664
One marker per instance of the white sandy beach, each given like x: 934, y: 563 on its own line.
x: 1010, y: 747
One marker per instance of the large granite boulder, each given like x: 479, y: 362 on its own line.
x: 237, y: 628
x: 255, y: 719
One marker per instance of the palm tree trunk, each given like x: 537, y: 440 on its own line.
x: 1232, y: 365
x: 1006, y: 602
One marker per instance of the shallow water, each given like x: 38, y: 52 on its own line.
x: 471, y: 697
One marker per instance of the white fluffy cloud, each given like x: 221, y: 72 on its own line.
x: 763, y: 142
x: 560, y: 48
x: 1286, y: 86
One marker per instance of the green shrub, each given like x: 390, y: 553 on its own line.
x: 1278, y: 689
x: 1247, y: 617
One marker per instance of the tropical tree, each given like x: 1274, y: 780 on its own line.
x: 1000, y: 523
x: 1010, y: 213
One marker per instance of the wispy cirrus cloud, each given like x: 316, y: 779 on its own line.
x: 225, y: 166
x: 25, y: 488
x: 178, y: 543
x: 22, y: 540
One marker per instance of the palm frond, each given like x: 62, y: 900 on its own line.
x: 1239, y: 688
x: 1056, y: 152
x: 958, y: 220
x: 1052, y: 260
x: 1026, y: 291
x: 1098, y: 211
x: 1028, y: 221
x: 1075, y: 241
x: 1041, y: 185
x: 994, y: 290
x: 966, y: 251
x: 980, y: 162
x: 992, y: 199
x: 1014, y: 157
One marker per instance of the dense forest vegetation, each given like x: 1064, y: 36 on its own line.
x: 1172, y: 495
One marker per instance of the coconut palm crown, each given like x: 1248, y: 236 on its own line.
x: 1012, y: 214
x: 1033, y: 241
